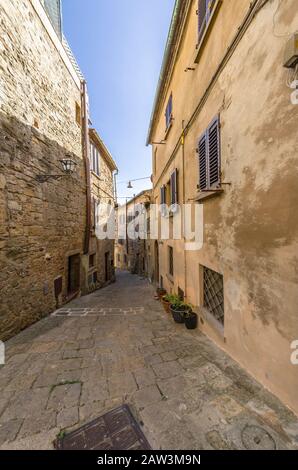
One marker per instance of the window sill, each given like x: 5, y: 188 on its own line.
x: 95, y: 174
x: 212, y: 322
x: 204, y: 195
x: 170, y: 278
x: 200, y: 46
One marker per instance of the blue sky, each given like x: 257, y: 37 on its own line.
x: 119, y: 46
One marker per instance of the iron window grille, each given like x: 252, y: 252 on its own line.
x: 214, y: 294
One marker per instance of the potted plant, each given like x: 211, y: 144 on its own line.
x: 160, y: 292
x: 179, y: 309
x: 166, y: 302
x: 191, y: 320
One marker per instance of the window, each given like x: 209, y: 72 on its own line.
x: 154, y: 161
x: 171, y: 261
x: 163, y: 199
x: 174, y: 188
x: 94, y: 159
x: 209, y: 157
x: 204, y: 12
x: 92, y: 261
x: 214, y: 294
x: 78, y: 114
x: 169, y: 112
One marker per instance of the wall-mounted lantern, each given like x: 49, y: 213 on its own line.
x: 68, y: 168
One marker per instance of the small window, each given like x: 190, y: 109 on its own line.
x: 174, y: 188
x: 204, y: 13
x: 94, y: 159
x: 169, y: 112
x: 209, y: 157
x: 78, y: 114
x: 171, y: 261
x: 154, y: 161
x: 92, y: 261
x: 214, y: 294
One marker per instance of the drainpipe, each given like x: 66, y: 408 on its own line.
x: 85, y: 145
x: 183, y: 198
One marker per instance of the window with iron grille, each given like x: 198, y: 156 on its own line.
x: 169, y: 112
x: 214, y: 294
x: 171, y: 261
x: 205, y: 10
x: 209, y: 157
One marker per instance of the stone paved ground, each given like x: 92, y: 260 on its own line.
x: 118, y: 345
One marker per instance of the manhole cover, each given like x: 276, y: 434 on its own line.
x: 116, y: 430
x: 257, y: 438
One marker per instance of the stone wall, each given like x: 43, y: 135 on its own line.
x: 40, y: 224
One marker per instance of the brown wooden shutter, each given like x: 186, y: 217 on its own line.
x: 213, y: 154
x: 202, y: 13
x: 202, y: 152
x: 174, y: 187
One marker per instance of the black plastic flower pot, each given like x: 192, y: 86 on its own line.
x: 178, y: 315
x: 191, y: 322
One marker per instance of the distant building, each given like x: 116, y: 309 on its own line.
x: 133, y: 254
x: 101, y: 258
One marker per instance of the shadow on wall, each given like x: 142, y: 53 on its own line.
x: 40, y: 224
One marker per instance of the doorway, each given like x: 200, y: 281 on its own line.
x: 156, y: 258
x: 74, y: 267
x: 107, y: 266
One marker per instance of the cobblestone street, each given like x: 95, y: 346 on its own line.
x: 119, y: 346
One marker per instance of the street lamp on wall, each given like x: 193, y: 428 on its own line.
x: 68, y: 167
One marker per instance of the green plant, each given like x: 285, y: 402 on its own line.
x: 61, y: 435
x: 168, y: 298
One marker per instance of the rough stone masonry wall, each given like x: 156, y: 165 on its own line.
x: 103, y: 191
x: 39, y: 223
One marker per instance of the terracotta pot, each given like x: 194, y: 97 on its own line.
x: 160, y: 293
x: 166, y: 305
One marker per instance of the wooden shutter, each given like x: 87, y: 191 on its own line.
x: 213, y: 154
x: 174, y: 187
x: 202, y: 13
x: 169, y: 111
x: 202, y: 151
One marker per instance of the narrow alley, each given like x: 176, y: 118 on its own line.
x: 119, y: 346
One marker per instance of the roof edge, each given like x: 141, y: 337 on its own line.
x: 106, y: 154
x: 180, y: 9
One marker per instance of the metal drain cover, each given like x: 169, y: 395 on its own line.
x: 257, y: 438
x: 116, y: 430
